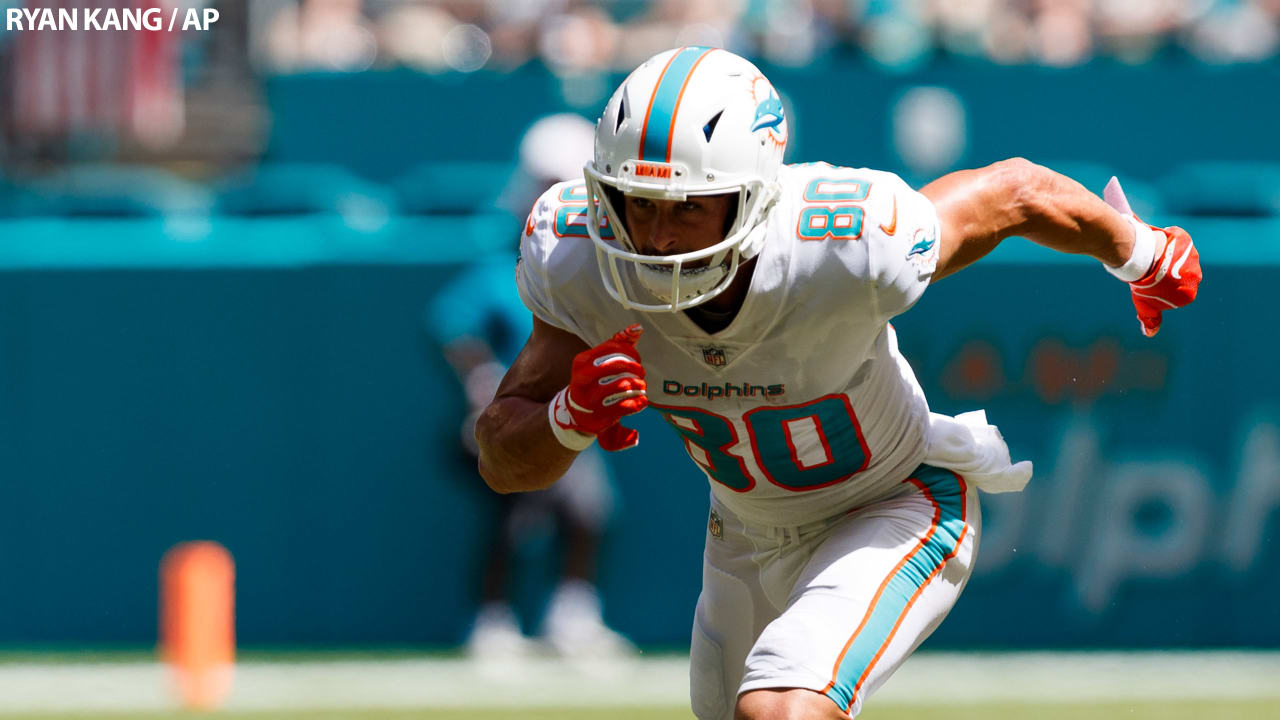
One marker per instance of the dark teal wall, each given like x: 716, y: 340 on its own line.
x: 294, y: 410
x: 1154, y: 514
x: 1142, y: 120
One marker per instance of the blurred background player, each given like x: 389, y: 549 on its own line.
x: 481, y: 324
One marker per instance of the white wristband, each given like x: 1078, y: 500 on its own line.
x: 1144, y: 253
x: 558, y: 416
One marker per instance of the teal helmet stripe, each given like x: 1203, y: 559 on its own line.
x: 655, y: 139
x: 946, y: 491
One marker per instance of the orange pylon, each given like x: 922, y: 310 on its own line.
x: 197, y: 621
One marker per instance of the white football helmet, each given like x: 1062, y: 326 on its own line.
x: 689, y: 121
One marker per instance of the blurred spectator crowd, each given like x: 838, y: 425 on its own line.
x: 197, y: 98
x: 581, y: 36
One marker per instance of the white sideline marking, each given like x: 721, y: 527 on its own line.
x: 926, y: 679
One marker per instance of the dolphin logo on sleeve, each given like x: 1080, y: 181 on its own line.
x: 922, y: 246
x: 923, y: 253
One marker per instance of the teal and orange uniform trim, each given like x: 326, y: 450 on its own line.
x: 902, y: 587
x: 660, y: 118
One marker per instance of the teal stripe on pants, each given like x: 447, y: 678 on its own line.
x: 947, y: 494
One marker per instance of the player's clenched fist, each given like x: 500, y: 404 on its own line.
x: 1172, y: 281
x: 1164, y: 271
x: 607, y: 384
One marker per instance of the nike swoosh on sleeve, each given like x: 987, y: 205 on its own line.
x: 892, y: 227
x: 528, y: 226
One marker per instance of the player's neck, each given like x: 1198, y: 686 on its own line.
x: 718, y: 313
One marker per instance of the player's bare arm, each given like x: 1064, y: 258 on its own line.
x: 559, y: 397
x: 979, y: 208
x: 518, y: 451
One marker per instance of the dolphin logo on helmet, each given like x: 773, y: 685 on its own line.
x: 768, y: 114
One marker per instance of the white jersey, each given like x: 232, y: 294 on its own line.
x: 801, y: 408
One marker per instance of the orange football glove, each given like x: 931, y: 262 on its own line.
x: 606, y: 384
x: 1172, y: 281
x: 1173, y: 276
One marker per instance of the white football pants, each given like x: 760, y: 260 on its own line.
x: 833, y: 606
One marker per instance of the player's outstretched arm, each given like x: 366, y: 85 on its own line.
x: 979, y: 208
x: 559, y: 397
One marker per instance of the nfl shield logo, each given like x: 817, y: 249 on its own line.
x: 714, y: 525
x: 713, y: 355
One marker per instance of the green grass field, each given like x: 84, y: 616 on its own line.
x: 1188, y: 710
x: 1223, y: 685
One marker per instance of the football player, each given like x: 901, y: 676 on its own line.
x: 844, y: 516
